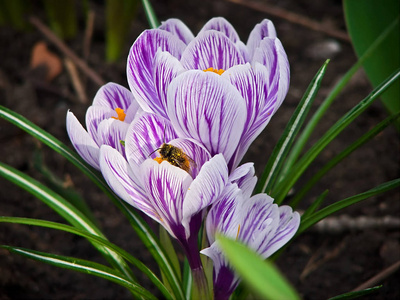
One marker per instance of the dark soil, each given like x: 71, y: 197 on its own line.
x: 320, y: 264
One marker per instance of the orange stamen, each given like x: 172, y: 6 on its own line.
x: 121, y: 114
x: 237, y: 234
x: 159, y: 159
x: 219, y: 72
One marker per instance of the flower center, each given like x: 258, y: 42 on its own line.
x: 219, y: 72
x: 121, y: 114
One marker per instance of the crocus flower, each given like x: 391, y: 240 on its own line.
x: 256, y: 221
x: 174, y: 197
x: 107, y: 121
x: 212, y: 87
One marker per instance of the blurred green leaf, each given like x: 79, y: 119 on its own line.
x: 95, y: 238
x: 261, y: 275
x: 281, y: 149
x: 119, y: 16
x: 83, y: 266
x: 62, y: 17
x: 13, y: 13
x: 366, y: 20
x: 354, y: 295
x: 150, y: 14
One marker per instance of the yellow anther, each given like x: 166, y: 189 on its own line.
x: 237, y: 234
x: 219, y: 72
x: 121, y: 114
x: 159, y: 159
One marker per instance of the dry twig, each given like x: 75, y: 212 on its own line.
x: 293, y: 18
x: 66, y: 50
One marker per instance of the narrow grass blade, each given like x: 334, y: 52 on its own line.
x: 150, y: 14
x: 342, y: 155
x: 357, y: 294
x: 261, y: 275
x: 58, y: 226
x: 83, y: 266
x: 312, y: 124
x: 281, y: 149
x: 315, y: 205
x: 139, y: 225
x: 298, y: 169
x: 323, y: 213
x: 64, y: 209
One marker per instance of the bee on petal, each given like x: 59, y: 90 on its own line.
x: 175, y: 156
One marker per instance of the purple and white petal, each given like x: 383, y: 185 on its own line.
x: 271, y: 54
x: 94, y: 116
x: 114, y: 96
x: 141, y: 64
x: 166, y: 68
x: 145, y: 135
x: 117, y: 173
x: 222, y: 216
x: 264, y: 29
x: 244, y: 177
x: 289, y: 222
x: 82, y: 141
x: 166, y: 186
x: 205, y: 189
x: 113, y: 132
x: 177, y: 28
x: 222, y: 25
x: 211, y: 49
x: 207, y: 108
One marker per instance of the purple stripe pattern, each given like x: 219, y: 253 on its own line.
x: 256, y: 221
x: 165, y: 63
x: 102, y: 123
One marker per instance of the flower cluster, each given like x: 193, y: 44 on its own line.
x: 171, y: 146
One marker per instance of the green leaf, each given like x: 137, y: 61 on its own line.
x: 342, y: 155
x: 281, y: 149
x: 150, y: 14
x: 261, y: 275
x: 83, y: 266
x: 366, y: 20
x: 323, y: 108
x: 64, y: 209
x: 315, y: 205
x: 119, y: 16
x: 139, y: 225
x: 327, y: 211
x: 354, y: 295
x: 62, y: 17
x: 95, y: 238
x: 299, y: 168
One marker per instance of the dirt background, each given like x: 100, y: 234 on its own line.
x: 319, y: 263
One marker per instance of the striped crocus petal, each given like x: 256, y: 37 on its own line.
x: 264, y: 29
x: 82, y: 141
x: 123, y: 181
x: 222, y: 25
x: 244, y: 177
x: 177, y: 28
x: 211, y: 49
x: 166, y: 186
x: 255, y: 221
x: 113, y: 95
x: 166, y: 68
x: 140, y: 66
x: 145, y: 135
x: 205, y: 189
x: 112, y: 132
x: 207, y: 108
